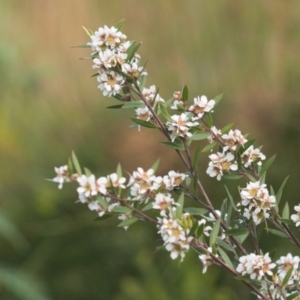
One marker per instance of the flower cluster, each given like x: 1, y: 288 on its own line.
x: 257, y: 266
x: 256, y: 201
x: 111, y: 60
x: 175, y: 236
x: 226, y: 160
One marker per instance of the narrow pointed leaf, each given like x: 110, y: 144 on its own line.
x: 155, y: 165
x: 225, y: 258
x: 279, y: 193
x: 286, y: 211
x: 76, y: 163
x: 196, y: 156
x: 196, y: 211
x: 128, y: 222
x: 177, y: 144
x: 185, y: 94
x: 87, y: 172
x: 277, y: 232
x: 121, y: 209
x: 134, y: 104
x: 287, y: 276
x: 226, y: 128
x: 119, y: 25
x: 179, y: 208
x: 117, y: 106
x: 214, y: 233
x: 143, y: 123
x: 199, y: 136
x: 218, y: 99
x: 267, y: 165
x: 236, y: 231
x: 230, y: 197
x: 209, y: 147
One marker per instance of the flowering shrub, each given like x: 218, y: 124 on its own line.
x: 217, y: 235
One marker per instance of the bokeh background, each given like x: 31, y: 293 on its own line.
x: 50, y: 248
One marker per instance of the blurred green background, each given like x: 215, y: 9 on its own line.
x: 50, y: 248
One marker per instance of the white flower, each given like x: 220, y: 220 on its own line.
x: 176, y: 103
x: 114, y: 180
x: 180, y: 125
x: 201, y: 105
x: 150, y: 94
x: 221, y: 162
x: 285, y: 263
x: 143, y: 113
x: 233, y: 139
x: 296, y: 217
x: 251, y: 155
x: 101, y: 185
x: 132, y: 69
x: 176, y: 178
x: 257, y: 266
x: 88, y: 186
x: 215, y: 133
x: 62, y: 175
x: 106, y: 38
x: 110, y: 83
x: 206, y: 259
x: 163, y: 202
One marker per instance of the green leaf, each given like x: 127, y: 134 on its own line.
x: 218, y: 99
x: 208, y: 119
x: 293, y: 296
x: 244, y: 147
x: 134, y: 104
x: 143, y: 79
x: 287, y: 276
x: 224, y: 245
x: 185, y: 93
x: 232, y: 176
x: 87, y: 172
x: 277, y: 232
x: 179, y: 208
x: 286, y: 211
x: 119, y: 170
x: 279, y: 193
x: 128, y: 222
x: 70, y: 166
x: 226, y: 258
x: 155, y: 165
x: 164, y: 111
x: 115, y: 106
x: 76, y: 163
x: 102, y: 202
x: 143, y: 123
x: 199, y: 136
x: 121, y: 209
x: 230, y: 198
x: 214, y: 233
x: 11, y: 233
x: 177, y: 144
x: 267, y: 165
x: 226, y: 128
x: 209, y: 147
x: 19, y: 284
x: 241, y: 238
x: 286, y: 221
x: 89, y: 32
x: 118, y: 97
x: 120, y: 24
x: 196, y: 156
x: 82, y: 46
x: 132, y: 50
x: 195, y: 211
x: 237, y: 231
x: 148, y: 206
x: 104, y: 217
